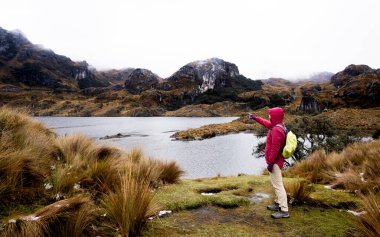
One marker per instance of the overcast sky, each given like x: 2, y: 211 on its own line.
x: 267, y: 38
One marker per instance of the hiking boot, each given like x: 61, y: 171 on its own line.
x: 274, y: 207
x: 280, y: 214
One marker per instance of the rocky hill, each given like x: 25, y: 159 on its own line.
x: 24, y: 64
x: 45, y: 83
x: 357, y: 86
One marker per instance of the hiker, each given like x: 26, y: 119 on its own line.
x: 276, y: 138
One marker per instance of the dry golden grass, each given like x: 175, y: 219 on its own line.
x: 76, y: 150
x: 32, y: 158
x: 69, y: 217
x: 170, y: 172
x: 25, y: 155
x: 63, y: 180
x: 162, y: 172
x: 349, y: 180
x: 298, y: 191
x: 130, y: 204
x: 213, y: 130
x: 135, y: 155
x: 312, y: 167
x: 355, y: 168
x: 102, y: 175
x: 369, y: 223
x: 93, y: 167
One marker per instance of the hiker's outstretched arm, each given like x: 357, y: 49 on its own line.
x: 263, y: 122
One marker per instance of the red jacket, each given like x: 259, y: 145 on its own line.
x: 275, y: 138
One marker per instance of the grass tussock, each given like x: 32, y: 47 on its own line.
x: 25, y: 156
x: 298, y: 191
x: 355, y: 168
x: 369, y: 222
x: 22, y: 132
x: 312, y: 167
x: 130, y: 204
x: 162, y: 172
x: 76, y: 150
x: 170, y: 172
x: 38, y: 168
x: 70, y: 217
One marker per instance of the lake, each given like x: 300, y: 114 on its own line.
x: 226, y: 155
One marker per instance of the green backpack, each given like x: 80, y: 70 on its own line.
x: 290, y: 144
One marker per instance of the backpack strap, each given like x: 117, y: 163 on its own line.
x: 283, y: 128
x: 286, y: 132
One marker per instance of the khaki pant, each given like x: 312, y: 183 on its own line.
x: 278, y: 185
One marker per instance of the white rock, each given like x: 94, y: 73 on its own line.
x: 164, y: 212
x: 48, y: 186
x: 356, y: 213
x: 76, y: 186
x: 30, y: 218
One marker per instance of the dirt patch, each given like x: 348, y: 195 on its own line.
x: 209, y: 190
x: 214, y: 190
x: 212, y: 214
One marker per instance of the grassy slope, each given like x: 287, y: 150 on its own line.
x: 198, y: 215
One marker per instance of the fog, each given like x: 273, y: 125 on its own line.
x: 274, y: 38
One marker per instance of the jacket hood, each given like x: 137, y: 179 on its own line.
x: 276, y: 115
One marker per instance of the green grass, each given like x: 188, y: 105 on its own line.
x: 198, y: 215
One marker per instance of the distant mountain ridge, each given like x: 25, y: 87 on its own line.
x: 140, y: 92
x: 25, y: 64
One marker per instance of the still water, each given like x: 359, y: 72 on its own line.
x: 226, y: 155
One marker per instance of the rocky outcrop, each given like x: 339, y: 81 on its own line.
x: 309, y: 105
x: 140, y: 80
x: 348, y: 74
x: 207, y: 74
x: 200, y: 82
x: 358, y: 85
x: 23, y: 63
